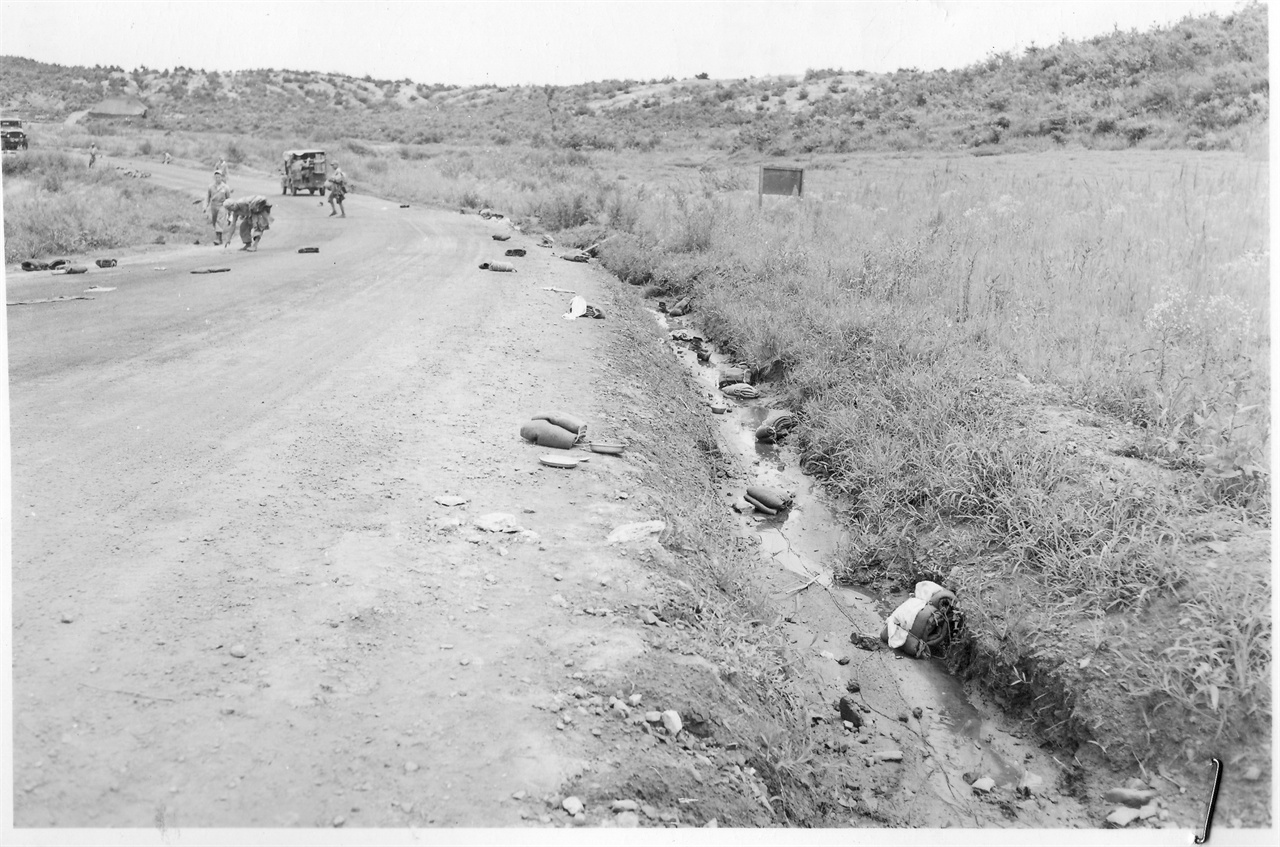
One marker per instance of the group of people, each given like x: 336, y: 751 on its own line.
x: 252, y: 214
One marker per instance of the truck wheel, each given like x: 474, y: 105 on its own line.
x: 322, y: 192
x: 284, y: 189
x: 295, y: 191
x: 311, y: 191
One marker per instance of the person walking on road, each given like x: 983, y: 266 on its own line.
x: 93, y: 152
x: 221, y: 167
x: 336, y: 185
x: 253, y: 215
x: 219, y: 192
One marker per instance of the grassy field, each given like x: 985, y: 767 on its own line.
x: 54, y: 204
x: 1041, y: 376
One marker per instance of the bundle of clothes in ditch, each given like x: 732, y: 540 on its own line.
x: 925, y: 623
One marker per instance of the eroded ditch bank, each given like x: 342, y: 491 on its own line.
x: 950, y: 737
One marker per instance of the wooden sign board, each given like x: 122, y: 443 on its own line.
x: 775, y: 179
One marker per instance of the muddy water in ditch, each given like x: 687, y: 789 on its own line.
x: 961, y: 733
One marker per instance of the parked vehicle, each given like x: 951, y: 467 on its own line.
x: 12, y: 135
x: 303, y: 170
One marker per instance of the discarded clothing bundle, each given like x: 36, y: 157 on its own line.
x: 580, y: 256
x: 554, y: 429
x: 741, y: 391
x: 105, y: 263
x: 730, y: 376
x: 500, y: 267
x: 767, y: 500
x: 579, y: 308
x: 72, y: 269
x: 43, y: 266
x: 210, y: 270
x: 490, y: 213
x: 924, y: 622
x: 308, y: 249
x: 500, y: 237
x: 778, y: 423
x: 515, y: 251
x: 546, y: 241
x: 683, y: 307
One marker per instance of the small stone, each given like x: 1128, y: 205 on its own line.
x: 711, y: 824
x: 1136, y: 784
x: 1030, y: 784
x: 627, y: 820
x: 653, y: 717
x: 852, y: 686
x: 596, y: 732
x: 849, y: 711
x: 1253, y: 773
x: 890, y: 756
x: 917, y: 713
x: 634, y: 699
x: 568, y: 663
x: 1149, y: 811
x: 410, y: 767
x: 671, y: 720
x: 339, y: 821
x: 904, y: 717
x: 519, y: 795
x: 239, y: 651
x: 843, y: 660
x: 1122, y: 816
x: 1130, y: 797
x: 648, y: 617
x: 669, y: 817
x: 572, y: 805
x: 650, y: 812
x: 66, y: 617
x: 984, y: 785
x: 624, y: 806
x: 545, y: 819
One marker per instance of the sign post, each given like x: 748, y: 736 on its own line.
x: 775, y: 179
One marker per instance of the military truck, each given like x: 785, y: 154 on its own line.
x: 303, y: 170
x: 12, y: 136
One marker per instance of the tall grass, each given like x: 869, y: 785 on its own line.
x: 55, y: 204
x: 896, y: 305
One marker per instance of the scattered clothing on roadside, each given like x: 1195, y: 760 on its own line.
x: 923, y: 623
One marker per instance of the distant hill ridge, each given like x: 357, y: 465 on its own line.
x: 1200, y: 83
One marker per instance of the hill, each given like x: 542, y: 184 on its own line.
x: 1202, y: 83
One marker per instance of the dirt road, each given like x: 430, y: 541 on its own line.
x: 240, y: 598
x: 252, y: 458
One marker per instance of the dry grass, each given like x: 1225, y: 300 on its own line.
x: 56, y: 205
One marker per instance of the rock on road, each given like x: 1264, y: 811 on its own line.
x: 205, y: 466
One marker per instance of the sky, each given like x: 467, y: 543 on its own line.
x: 560, y: 43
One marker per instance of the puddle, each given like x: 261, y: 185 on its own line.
x: 805, y: 540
